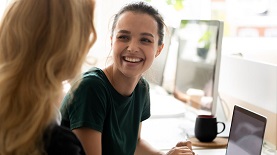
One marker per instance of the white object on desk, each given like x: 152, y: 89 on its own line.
x: 163, y: 133
x: 166, y: 106
x: 166, y: 126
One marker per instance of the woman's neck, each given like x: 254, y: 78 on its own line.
x: 122, y: 84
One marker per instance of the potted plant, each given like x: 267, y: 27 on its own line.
x: 204, y: 45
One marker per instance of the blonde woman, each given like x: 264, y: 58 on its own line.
x: 42, y: 44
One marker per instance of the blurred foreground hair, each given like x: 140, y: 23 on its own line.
x: 42, y: 44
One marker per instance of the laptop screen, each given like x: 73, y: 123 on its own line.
x: 246, y: 133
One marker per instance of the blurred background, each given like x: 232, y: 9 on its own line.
x: 248, y: 72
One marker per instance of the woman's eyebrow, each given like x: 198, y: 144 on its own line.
x: 124, y: 31
x: 142, y: 34
x: 147, y: 34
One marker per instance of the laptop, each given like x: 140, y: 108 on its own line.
x: 246, y: 133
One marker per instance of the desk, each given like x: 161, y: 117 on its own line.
x: 171, y: 121
x: 207, y: 151
x: 222, y: 151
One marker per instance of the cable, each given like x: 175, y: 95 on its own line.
x: 225, y: 106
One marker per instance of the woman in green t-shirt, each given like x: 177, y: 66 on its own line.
x: 107, y: 108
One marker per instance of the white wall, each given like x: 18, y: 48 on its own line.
x: 249, y: 71
x: 253, y: 85
x: 256, y: 49
x: 249, y: 81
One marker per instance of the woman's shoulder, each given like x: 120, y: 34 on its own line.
x: 62, y: 141
x: 94, y: 75
x: 91, y: 79
x: 143, y: 83
x: 142, y: 86
x: 94, y: 71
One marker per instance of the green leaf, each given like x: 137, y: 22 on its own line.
x: 179, y: 5
x: 183, y: 23
x: 169, y: 2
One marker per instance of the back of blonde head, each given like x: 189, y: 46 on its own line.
x: 42, y: 43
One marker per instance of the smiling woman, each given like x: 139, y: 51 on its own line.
x: 107, y: 109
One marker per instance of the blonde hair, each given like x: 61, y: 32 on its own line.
x: 42, y: 44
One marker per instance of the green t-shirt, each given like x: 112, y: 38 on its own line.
x: 97, y: 105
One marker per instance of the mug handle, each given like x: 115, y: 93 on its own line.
x: 223, y: 127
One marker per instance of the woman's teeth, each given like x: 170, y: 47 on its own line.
x: 132, y: 59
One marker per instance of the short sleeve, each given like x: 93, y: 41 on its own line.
x: 87, y: 107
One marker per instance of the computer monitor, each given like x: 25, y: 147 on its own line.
x: 198, y: 63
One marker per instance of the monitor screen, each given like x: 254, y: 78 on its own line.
x: 198, y: 63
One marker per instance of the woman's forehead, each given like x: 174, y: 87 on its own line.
x: 137, y: 21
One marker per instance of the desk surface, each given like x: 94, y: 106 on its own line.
x: 201, y: 151
x: 222, y: 151
x: 172, y: 122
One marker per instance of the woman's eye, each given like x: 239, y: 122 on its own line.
x: 146, y: 40
x: 123, y: 37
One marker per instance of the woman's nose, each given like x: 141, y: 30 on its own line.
x: 133, y: 46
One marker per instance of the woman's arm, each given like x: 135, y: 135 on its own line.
x: 90, y: 140
x: 143, y: 148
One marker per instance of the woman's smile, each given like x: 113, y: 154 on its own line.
x: 132, y: 59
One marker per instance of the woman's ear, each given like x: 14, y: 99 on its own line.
x: 159, y: 50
